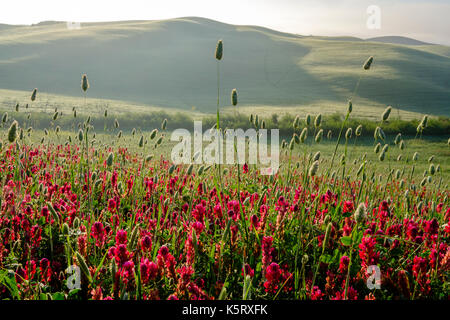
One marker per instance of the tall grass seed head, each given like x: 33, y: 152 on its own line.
x: 219, y: 50
x: 34, y: 94
x: 377, y: 148
x: 318, y: 120
x: 319, y: 136
x: 297, y: 121
x: 348, y: 133
x: 313, y: 169
x: 12, y: 132
x: 386, y: 113
x: 360, y: 213
x: 368, y: 63
x: 303, y: 135
x: 234, y: 97
x: 84, y: 82
x: 308, y: 119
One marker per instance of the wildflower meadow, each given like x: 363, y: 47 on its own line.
x: 94, y: 211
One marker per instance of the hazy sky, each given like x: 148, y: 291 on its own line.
x: 423, y: 20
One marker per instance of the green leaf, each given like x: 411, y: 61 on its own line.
x: 326, y: 258
x: 9, y: 281
x: 346, y: 241
x: 347, y: 214
x: 58, y: 296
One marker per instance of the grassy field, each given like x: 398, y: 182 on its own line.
x: 357, y: 149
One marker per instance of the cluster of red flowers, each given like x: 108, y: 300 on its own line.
x: 139, y: 230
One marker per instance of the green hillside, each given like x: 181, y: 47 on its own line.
x: 170, y: 64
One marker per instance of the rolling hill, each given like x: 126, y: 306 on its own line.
x: 170, y: 64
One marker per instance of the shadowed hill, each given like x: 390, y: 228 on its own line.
x: 398, y: 40
x: 170, y: 63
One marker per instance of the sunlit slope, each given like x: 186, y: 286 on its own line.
x: 171, y: 64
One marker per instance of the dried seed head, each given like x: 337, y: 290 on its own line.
x: 358, y: 130
x: 415, y: 156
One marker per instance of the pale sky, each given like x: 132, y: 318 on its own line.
x: 423, y: 20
